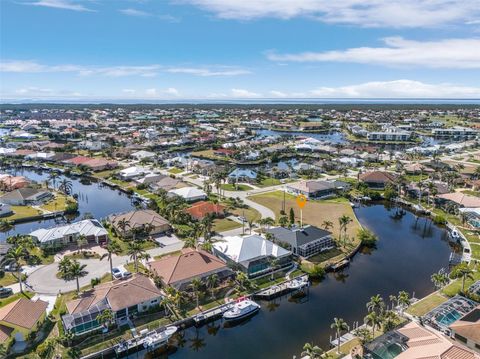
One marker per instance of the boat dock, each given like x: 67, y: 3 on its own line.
x: 211, y: 314
x: 340, y: 265
x: 295, y: 284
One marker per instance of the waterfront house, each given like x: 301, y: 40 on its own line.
x: 377, y: 179
x: 460, y: 200
x: 125, y: 298
x: 252, y: 254
x: 21, y: 317
x: 10, y: 183
x: 317, y: 189
x: 139, y: 219
x: 242, y: 175
x: 467, y: 329
x: 100, y: 164
x: 5, y: 209
x: 26, y: 196
x: 143, y: 155
x: 166, y: 183
x: 132, y: 172
x: 202, y: 209
x: 190, y: 194
x: 92, y: 229
x: 304, y: 242
x: 179, y: 271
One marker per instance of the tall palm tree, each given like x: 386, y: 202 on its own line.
x: 340, y: 326
x: 53, y: 178
x: 76, y: 271
x: 462, y: 271
x: 327, y: 225
x: 344, y: 221
x: 212, y: 282
x: 312, y: 351
x: 105, y: 318
x: 123, y: 224
x: 376, y: 304
x: 81, y: 241
x: 16, y: 255
x: 439, y: 279
x: 112, y: 248
x: 196, y: 285
x: 373, y: 320
x: 135, y: 251
x: 403, y: 300
x: 66, y: 186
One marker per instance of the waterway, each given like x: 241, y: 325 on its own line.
x: 94, y: 198
x: 334, y: 137
x: 409, y: 250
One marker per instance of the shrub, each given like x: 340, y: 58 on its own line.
x: 439, y: 219
x: 367, y: 238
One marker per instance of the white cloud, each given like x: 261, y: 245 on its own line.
x: 206, y: 72
x: 447, y: 53
x: 241, y: 93
x: 397, y: 89
x: 276, y: 93
x: 60, y: 4
x: 171, y: 91
x: 33, y: 90
x: 135, y: 12
x: 129, y: 91
x: 369, y: 13
x: 164, y: 93
x: 119, y: 71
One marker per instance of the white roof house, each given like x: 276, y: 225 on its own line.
x: 190, y: 194
x: 141, y: 155
x: 132, y: 172
x: 90, y: 228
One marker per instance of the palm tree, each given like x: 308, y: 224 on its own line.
x: 312, y: 351
x: 339, y: 325
x: 212, y: 282
x: 376, y: 304
x: 123, y: 224
x: 76, y: 271
x: 250, y: 225
x: 327, y: 225
x: 439, y: 279
x: 81, y: 241
x: 373, y: 320
x: 403, y: 300
x: 462, y: 271
x: 196, y: 285
x: 112, y: 248
x: 269, y: 221
x: 53, y: 178
x: 66, y: 186
x: 135, y: 251
x: 189, y: 242
x: 363, y: 334
x: 105, y: 318
x: 344, y: 221
x: 282, y: 221
x: 389, y: 320
x: 16, y: 255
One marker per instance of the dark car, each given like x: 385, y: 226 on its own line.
x: 5, y: 292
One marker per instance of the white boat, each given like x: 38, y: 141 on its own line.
x: 156, y: 340
x: 297, y: 283
x: 454, y: 234
x: 241, y: 309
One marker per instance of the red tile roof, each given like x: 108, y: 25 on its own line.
x: 201, y: 209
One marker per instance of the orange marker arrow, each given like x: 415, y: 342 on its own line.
x: 301, y: 200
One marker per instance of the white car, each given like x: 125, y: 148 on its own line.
x: 117, y: 273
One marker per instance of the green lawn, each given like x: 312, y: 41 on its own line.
x: 324, y: 256
x: 8, y: 279
x: 267, y: 182
x: 472, y: 193
x: 426, y: 304
x: 59, y: 203
x: 23, y: 212
x: 456, y: 286
x: 250, y: 214
x: 14, y: 297
x: 238, y: 187
x: 175, y: 170
x: 225, y: 224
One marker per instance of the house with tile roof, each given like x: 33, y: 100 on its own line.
x: 202, y: 209
x: 377, y: 179
x: 21, y: 317
x: 125, y: 298
x: 466, y: 330
x: 92, y: 229
x: 460, y: 199
x: 252, y: 254
x: 26, y: 196
x: 179, y: 271
x: 140, y: 219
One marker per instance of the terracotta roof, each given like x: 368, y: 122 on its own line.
x: 5, y: 333
x: 377, y: 176
x: 139, y: 218
x: 200, y: 209
x: 189, y: 264
x: 78, y: 160
x: 120, y: 294
x: 456, y: 352
x: 462, y: 199
x: 99, y: 162
x: 469, y: 325
x: 23, y: 312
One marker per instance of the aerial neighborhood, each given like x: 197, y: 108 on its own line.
x: 121, y: 227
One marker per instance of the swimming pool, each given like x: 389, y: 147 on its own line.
x: 388, y: 351
x: 448, y: 318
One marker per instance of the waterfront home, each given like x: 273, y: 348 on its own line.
x: 242, y: 175
x: 142, y: 155
x: 125, y: 298
x: 456, y: 133
x: 166, y: 183
x: 390, y: 134
x: 100, y: 164
x: 91, y: 229
x: 133, y: 172
x: 26, y: 196
x: 19, y: 318
x: 190, y: 194
x: 316, y: 188
x: 467, y: 329
x: 304, y: 242
x: 138, y: 220
x: 76, y: 161
x: 377, y: 179
x: 460, y: 200
x: 179, y: 271
x: 9, y: 182
x: 5, y: 209
x: 202, y: 209
x: 252, y: 254
x: 150, y: 178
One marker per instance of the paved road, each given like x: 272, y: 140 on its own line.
x: 44, y: 280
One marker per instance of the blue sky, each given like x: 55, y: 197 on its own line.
x: 231, y: 49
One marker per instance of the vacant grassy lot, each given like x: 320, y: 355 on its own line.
x: 267, y: 182
x: 23, y: 212
x: 238, y: 187
x: 225, y: 224
x: 175, y: 170
x: 425, y: 305
x: 249, y: 213
x: 56, y: 204
x: 314, y: 212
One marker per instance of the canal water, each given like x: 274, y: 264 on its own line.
x: 93, y: 197
x: 334, y: 137
x: 409, y: 250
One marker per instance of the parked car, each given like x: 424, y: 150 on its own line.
x: 11, y: 267
x: 126, y: 275
x: 5, y: 292
x: 117, y: 273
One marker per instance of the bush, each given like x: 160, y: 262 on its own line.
x: 439, y: 219
x: 71, y: 208
x: 316, y: 272
x: 367, y: 238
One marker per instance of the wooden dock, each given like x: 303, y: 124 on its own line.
x: 340, y: 265
x: 282, y: 288
x: 211, y: 314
